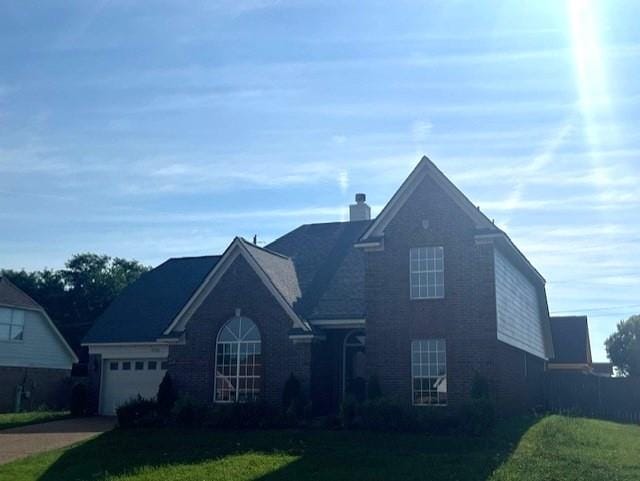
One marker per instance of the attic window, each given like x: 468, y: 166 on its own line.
x: 11, y: 324
x: 426, y: 265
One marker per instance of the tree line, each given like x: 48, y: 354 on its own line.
x: 76, y: 295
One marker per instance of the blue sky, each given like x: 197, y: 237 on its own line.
x: 151, y: 130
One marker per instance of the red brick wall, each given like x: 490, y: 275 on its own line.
x: 465, y: 317
x: 520, y: 380
x: 50, y: 387
x: 192, y: 365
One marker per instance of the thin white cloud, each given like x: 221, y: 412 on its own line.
x: 343, y: 181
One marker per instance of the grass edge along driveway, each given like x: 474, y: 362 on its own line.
x: 14, y: 420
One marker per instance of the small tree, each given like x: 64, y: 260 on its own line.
x: 623, y: 347
x: 292, y: 393
x: 167, y: 396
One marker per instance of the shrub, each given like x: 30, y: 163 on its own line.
x: 166, y: 396
x: 435, y: 420
x: 293, y: 401
x: 374, y: 391
x: 291, y: 393
x: 383, y: 414
x: 477, y: 417
x: 332, y: 422
x: 78, y: 404
x: 188, y: 412
x: 138, y: 412
x: 242, y: 416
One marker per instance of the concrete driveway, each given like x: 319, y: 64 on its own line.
x: 16, y: 443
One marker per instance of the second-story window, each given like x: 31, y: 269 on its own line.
x: 426, y: 266
x: 11, y: 324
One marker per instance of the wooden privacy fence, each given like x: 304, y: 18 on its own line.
x: 595, y: 396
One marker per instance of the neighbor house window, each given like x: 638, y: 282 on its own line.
x: 152, y: 365
x: 426, y: 266
x: 11, y: 324
x: 139, y: 365
x: 238, y: 361
x: 126, y: 366
x: 429, y: 372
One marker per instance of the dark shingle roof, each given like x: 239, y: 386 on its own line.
x: 145, y: 308
x: 10, y: 295
x: 315, y: 268
x: 571, y: 340
x: 329, y: 269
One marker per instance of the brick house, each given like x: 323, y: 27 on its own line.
x: 423, y: 297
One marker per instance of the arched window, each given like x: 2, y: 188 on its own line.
x: 238, y: 361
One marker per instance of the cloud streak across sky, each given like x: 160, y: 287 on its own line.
x: 151, y: 133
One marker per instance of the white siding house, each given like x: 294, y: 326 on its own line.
x: 34, y: 357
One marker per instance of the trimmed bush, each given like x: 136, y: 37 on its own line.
x: 435, y: 420
x: 189, y: 412
x: 138, y: 412
x: 477, y: 417
x: 78, y: 404
x: 383, y: 415
x: 167, y: 396
x: 294, y: 403
x: 291, y: 393
x: 243, y: 416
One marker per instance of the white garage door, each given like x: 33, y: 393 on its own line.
x: 123, y: 379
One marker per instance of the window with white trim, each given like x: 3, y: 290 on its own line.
x: 429, y: 372
x: 238, y: 362
x: 426, y: 270
x: 11, y: 324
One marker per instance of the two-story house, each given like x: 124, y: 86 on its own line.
x: 35, y: 360
x: 424, y: 297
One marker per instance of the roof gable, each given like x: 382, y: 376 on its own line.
x: 273, y: 269
x: 424, y: 168
x: 14, y: 297
x: 571, y: 340
x: 11, y: 295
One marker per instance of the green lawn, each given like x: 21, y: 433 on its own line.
x: 552, y: 448
x: 12, y: 420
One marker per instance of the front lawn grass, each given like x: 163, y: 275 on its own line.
x: 12, y: 420
x: 550, y: 448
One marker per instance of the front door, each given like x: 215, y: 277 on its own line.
x: 353, y: 365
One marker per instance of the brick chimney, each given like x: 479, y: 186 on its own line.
x: 360, y: 210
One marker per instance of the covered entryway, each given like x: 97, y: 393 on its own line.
x: 124, y: 379
x: 353, y: 365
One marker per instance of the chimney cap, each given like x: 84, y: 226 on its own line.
x: 360, y: 198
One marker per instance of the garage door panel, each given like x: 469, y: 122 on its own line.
x: 124, y: 379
